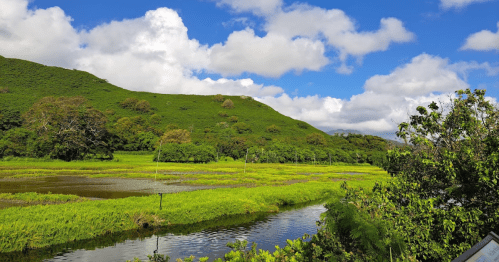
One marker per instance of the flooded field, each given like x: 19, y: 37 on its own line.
x: 94, y: 188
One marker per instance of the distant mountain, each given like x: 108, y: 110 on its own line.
x: 347, y: 131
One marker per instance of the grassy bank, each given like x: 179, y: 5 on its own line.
x: 32, y: 197
x: 41, y: 226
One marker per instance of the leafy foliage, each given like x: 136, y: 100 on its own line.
x: 183, y: 153
x: 444, y: 196
x: 228, y: 104
x: 273, y: 129
x: 218, y: 98
x: 241, y: 127
x: 177, y: 136
x: 9, y: 119
x: 67, y: 128
x: 316, y: 139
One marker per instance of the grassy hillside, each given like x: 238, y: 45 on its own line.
x: 27, y: 82
x: 22, y: 83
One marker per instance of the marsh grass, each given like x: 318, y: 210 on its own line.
x: 221, y: 173
x: 31, y: 197
x: 263, y: 188
x: 44, y: 225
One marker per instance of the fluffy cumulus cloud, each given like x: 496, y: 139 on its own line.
x: 425, y: 74
x: 42, y: 35
x: 272, y: 55
x: 484, y: 40
x: 296, y: 38
x: 388, y: 99
x: 339, y: 30
x: 446, y: 4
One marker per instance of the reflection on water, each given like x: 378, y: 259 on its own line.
x: 179, y: 242
x: 74, y: 185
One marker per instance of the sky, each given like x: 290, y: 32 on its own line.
x: 360, y: 64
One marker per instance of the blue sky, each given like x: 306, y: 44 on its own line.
x: 360, y: 65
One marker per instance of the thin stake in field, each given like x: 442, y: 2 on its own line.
x: 246, y: 160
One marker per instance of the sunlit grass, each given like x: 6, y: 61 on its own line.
x: 221, y: 173
x: 30, y: 197
x: 40, y: 226
x: 258, y: 188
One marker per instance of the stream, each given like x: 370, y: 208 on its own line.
x: 206, y: 239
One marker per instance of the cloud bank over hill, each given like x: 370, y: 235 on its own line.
x: 154, y: 53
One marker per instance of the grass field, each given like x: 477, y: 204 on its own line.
x: 221, y: 173
x: 257, y: 188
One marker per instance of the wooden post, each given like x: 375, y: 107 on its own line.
x: 160, y: 200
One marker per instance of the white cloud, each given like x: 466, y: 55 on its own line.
x: 154, y: 53
x: 272, y: 55
x: 388, y: 99
x: 463, y: 68
x: 258, y: 7
x: 338, y: 30
x: 484, y: 40
x: 423, y: 75
x: 446, y: 4
x: 44, y: 35
x: 151, y: 53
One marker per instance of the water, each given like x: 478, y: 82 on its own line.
x: 264, y: 229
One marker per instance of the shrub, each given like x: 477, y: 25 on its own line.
x: 155, y: 119
x: 233, y: 119
x: 228, y: 104
x: 218, y: 98
x: 241, y: 128
x: 223, y: 114
x: 273, y: 129
x: 177, y: 136
x: 171, y: 126
x: 4, y: 90
x: 182, y: 153
x: 129, y: 103
x: 137, y: 105
x: 142, y: 106
x: 316, y: 139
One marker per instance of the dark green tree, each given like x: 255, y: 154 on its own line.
x: 68, y: 128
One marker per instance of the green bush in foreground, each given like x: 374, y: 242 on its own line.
x: 444, y: 197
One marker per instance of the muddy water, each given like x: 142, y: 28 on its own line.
x: 92, y: 187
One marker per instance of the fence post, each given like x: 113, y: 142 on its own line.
x: 160, y: 199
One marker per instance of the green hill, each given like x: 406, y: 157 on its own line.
x: 22, y: 83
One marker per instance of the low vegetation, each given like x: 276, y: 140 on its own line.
x: 41, y: 226
x: 32, y: 197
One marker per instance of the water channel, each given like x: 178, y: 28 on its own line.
x: 201, y: 240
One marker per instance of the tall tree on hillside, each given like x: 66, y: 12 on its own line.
x: 68, y: 128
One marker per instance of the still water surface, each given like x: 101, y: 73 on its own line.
x: 267, y: 231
